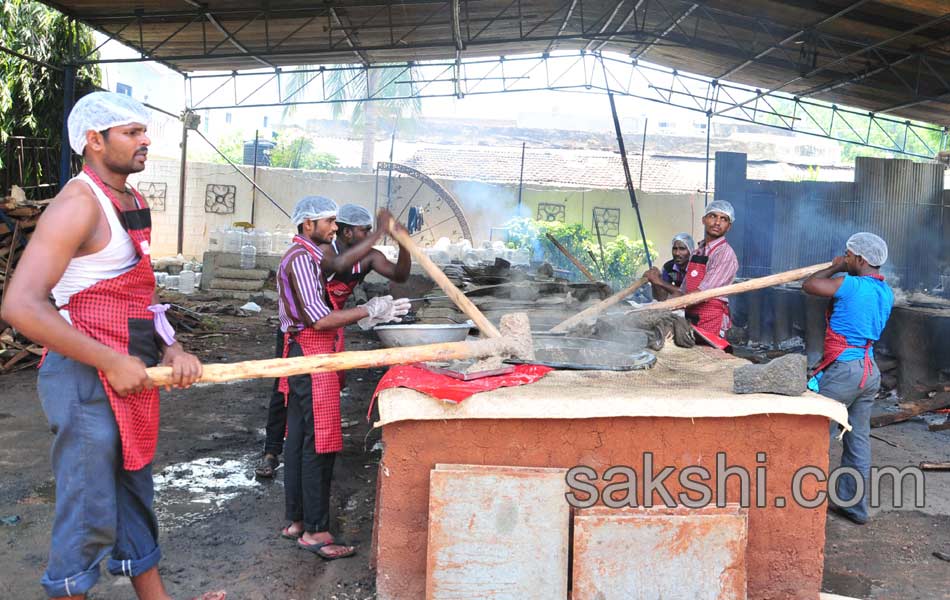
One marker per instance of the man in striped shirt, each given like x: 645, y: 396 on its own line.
x: 354, y: 253
x: 309, y: 326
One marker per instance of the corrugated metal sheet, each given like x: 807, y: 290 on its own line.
x: 900, y: 200
x: 809, y: 222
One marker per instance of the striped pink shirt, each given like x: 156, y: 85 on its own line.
x: 301, y: 295
x: 722, y: 266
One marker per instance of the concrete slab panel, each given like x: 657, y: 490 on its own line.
x: 673, y: 554
x: 497, y: 533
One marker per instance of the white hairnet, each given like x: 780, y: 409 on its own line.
x: 869, y: 246
x: 721, y: 206
x: 99, y: 111
x: 686, y: 239
x: 354, y: 214
x: 313, y: 208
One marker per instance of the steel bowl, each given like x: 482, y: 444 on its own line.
x: 417, y: 334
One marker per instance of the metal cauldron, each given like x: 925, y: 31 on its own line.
x: 417, y: 334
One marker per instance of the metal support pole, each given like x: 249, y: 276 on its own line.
x: 708, y: 133
x: 66, y: 152
x: 254, y: 175
x: 521, y: 178
x: 626, y: 173
x: 389, y: 180
x: 643, y: 151
x: 181, y: 183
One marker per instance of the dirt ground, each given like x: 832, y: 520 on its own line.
x: 219, y: 526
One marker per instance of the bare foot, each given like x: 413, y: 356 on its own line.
x: 293, y: 531
x: 216, y: 595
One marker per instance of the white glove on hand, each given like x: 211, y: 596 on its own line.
x: 383, y: 309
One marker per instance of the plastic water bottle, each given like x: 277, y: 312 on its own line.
x: 232, y: 240
x: 186, y: 279
x: 248, y: 255
x: 215, y: 240
x: 263, y: 243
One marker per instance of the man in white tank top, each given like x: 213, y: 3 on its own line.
x: 90, y: 249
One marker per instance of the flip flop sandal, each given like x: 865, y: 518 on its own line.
x: 268, y: 467
x: 290, y: 536
x: 315, y: 548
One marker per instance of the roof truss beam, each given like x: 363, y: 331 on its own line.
x: 629, y: 78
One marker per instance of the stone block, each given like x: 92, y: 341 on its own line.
x: 786, y: 375
x: 250, y: 274
x: 242, y: 285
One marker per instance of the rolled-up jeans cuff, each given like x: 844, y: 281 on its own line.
x: 135, y: 566
x: 77, y: 584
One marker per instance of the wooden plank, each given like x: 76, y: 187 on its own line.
x: 941, y: 400
x: 940, y: 426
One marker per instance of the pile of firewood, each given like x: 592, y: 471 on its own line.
x: 17, y: 352
x: 18, y: 217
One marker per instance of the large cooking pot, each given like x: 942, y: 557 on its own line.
x: 417, y: 334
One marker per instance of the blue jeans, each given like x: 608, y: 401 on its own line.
x: 101, y: 509
x: 841, y: 382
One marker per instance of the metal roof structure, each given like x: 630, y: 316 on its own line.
x: 882, y: 56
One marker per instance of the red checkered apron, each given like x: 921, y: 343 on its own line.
x: 338, y: 292
x: 710, y: 319
x: 836, y: 344
x: 324, y: 387
x: 114, y: 312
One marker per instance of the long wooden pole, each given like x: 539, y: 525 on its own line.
x: 343, y: 361
x: 600, y: 307
x: 736, y: 288
x: 580, y: 266
x: 465, y: 305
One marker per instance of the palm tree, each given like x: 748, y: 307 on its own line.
x: 389, y: 86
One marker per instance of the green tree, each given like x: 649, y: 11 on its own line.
x: 394, y: 98
x: 298, y: 153
x: 31, y: 95
x: 231, y: 145
x: 621, y: 261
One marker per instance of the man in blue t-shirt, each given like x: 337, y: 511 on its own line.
x: 861, y: 303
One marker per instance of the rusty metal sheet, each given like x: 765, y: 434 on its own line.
x: 497, y: 532
x: 674, y: 554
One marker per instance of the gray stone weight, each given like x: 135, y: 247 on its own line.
x: 786, y: 375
